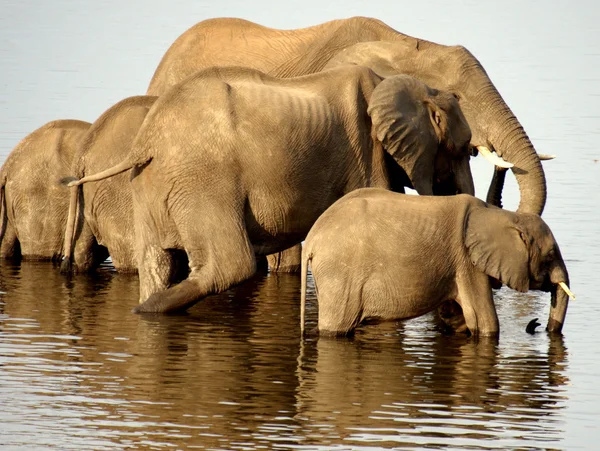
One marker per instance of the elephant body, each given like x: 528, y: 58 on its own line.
x: 368, y: 42
x: 233, y: 163
x: 34, y: 207
x: 379, y: 255
x: 102, y: 213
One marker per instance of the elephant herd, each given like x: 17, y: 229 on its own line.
x: 250, y: 140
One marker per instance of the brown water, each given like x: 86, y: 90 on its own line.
x: 79, y: 371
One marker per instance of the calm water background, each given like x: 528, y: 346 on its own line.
x: 78, y: 371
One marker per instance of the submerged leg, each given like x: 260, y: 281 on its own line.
x: 218, y: 260
x: 288, y: 261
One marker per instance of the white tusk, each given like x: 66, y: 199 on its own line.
x: 566, y: 289
x: 544, y: 157
x: 494, y: 159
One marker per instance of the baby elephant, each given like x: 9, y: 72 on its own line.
x: 379, y: 255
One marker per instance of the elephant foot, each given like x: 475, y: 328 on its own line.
x: 176, y: 299
x: 66, y: 266
x: 451, y: 318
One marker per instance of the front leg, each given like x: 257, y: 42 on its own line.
x: 477, y: 302
x: 287, y: 261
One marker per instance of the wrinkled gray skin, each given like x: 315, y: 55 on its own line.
x: 379, y: 255
x: 101, y: 214
x: 33, y: 207
x: 233, y: 163
x: 368, y: 42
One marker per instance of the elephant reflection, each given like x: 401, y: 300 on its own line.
x: 376, y: 385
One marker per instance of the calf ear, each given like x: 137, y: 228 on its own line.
x: 498, y: 247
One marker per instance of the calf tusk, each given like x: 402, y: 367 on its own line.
x: 494, y: 159
x: 566, y: 289
x: 544, y: 156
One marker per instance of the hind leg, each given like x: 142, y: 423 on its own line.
x: 155, y: 264
x: 340, y: 303
x: 220, y: 255
x: 287, y: 261
x: 87, y: 254
x: 10, y: 248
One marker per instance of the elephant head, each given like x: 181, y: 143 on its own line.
x: 454, y: 69
x: 519, y: 250
x: 425, y: 132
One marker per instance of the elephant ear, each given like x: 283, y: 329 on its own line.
x: 408, y: 125
x: 497, y: 246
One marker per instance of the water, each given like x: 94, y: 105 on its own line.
x: 78, y: 371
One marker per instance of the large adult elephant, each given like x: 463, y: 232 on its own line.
x: 101, y: 214
x: 368, y: 42
x: 33, y: 207
x: 233, y: 163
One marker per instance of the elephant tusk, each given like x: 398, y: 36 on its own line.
x: 544, y: 157
x: 566, y: 289
x: 494, y: 159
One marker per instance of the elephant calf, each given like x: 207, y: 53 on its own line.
x: 381, y: 255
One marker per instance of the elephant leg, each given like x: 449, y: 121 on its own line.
x: 339, y: 304
x: 88, y: 254
x: 155, y: 264
x: 262, y: 264
x: 218, y: 260
x: 288, y: 261
x: 10, y: 248
x: 451, y: 318
x: 477, y: 302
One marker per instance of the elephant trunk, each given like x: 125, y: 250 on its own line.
x: 495, y: 126
x: 494, y: 195
x: 559, y: 300
x: 464, y: 178
x: 516, y: 148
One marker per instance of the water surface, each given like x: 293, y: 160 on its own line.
x: 79, y: 371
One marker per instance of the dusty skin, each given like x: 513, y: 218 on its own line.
x: 336, y: 131
x: 101, y: 214
x: 379, y: 255
x: 368, y: 42
x: 33, y: 209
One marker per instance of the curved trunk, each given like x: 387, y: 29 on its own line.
x: 495, y: 126
x: 559, y: 302
x: 494, y: 195
x: 513, y: 144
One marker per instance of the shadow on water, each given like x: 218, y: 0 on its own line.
x: 79, y: 371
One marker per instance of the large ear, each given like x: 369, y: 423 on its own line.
x: 438, y: 119
x: 497, y: 246
x: 402, y: 123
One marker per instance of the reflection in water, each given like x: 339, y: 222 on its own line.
x: 79, y: 371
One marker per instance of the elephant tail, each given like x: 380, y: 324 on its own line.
x: 66, y: 265
x: 117, y: 169
x: 3, y: 212
x: 306, y: 259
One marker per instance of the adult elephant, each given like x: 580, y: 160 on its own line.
x: 33, y: 207
x: 372, y: 43
x: 101, y: 214
x: 233, y: 163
